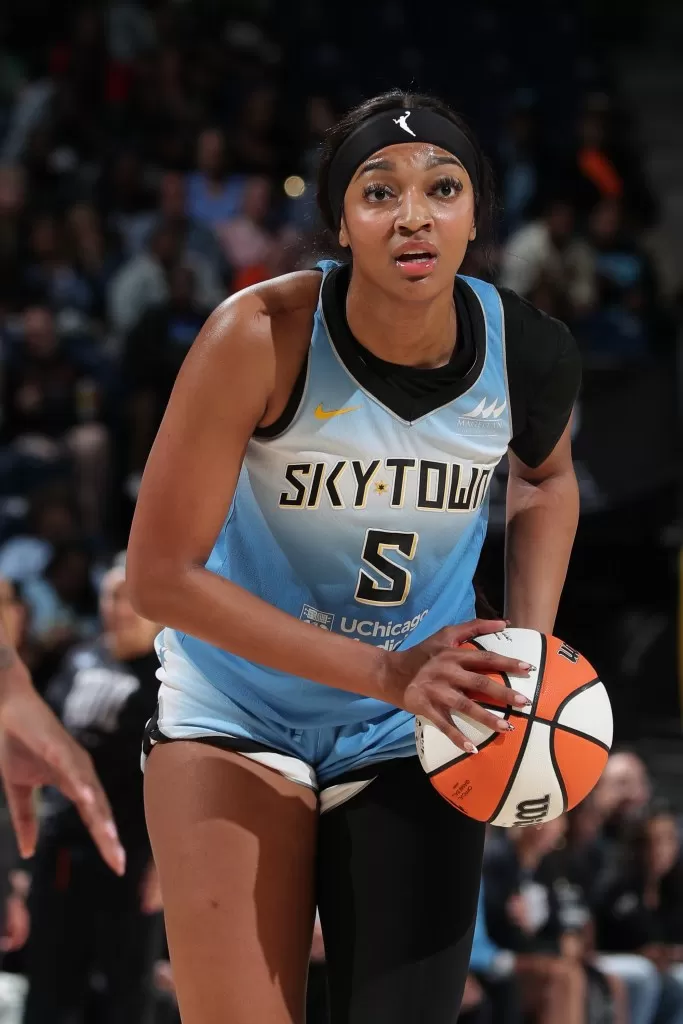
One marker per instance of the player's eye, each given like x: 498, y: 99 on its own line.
x: 376, y: 192
x: 446, y: 187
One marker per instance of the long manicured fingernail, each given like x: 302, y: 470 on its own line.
x: 110, y: 829
x: 470, y: 748
x: 120, y: 861
x: 521, y: 701
x: 526, y: 667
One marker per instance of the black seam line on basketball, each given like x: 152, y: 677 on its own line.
x: 556, y: 769
x: 574, y: 693
x: 516, y: 713
x: 556, y: 727
x: 527, y: 735
x: 465, y: 754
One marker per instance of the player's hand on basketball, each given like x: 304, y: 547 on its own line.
x: 440, y: 677
x: 35, y: 751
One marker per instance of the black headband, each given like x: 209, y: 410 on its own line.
x: 390, y: 128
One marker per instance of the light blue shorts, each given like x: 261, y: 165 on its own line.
x: 191, y: 708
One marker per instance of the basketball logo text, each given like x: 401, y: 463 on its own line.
x: 569, y: 653
x: 531, y: 812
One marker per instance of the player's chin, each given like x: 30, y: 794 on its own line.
x: 421, y: 282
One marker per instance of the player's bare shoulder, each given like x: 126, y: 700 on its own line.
x: 263, y: 334
x: 272, y: 313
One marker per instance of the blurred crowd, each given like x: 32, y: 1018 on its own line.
x: 156, y: 157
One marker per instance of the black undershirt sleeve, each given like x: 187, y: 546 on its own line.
x: 544, y: 375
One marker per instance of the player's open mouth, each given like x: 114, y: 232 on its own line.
x: 416, y: 261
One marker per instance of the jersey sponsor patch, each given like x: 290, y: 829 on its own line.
x: 314, y: 617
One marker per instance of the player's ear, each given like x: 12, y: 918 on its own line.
x: 473, y: 232
x: 343, y: 236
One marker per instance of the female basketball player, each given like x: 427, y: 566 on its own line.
x: 337, y: 433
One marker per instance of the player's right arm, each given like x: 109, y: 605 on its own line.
x: 230, y: 383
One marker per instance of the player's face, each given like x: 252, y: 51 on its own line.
x: 408, y: 219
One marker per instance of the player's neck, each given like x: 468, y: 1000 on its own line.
x: 413, y: 334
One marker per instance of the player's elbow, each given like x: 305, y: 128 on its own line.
x: 150, y: 583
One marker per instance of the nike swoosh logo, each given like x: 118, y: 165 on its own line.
x: 328, y: 414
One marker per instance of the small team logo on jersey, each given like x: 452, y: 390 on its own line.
x: 328, y: 414
x: 314, y: 617
x: 401, y: 122
x: 486, y: 410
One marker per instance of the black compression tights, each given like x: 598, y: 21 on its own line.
x: 398, y: 880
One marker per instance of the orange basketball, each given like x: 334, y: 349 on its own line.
x: 556, y: 753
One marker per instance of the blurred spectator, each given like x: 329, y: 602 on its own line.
x: 86, y: 921
x: 594, y: 163
x: 51, y: 405
x: 250, y: 246
x: 51, y: 521
x: 213, y: 194
x: 256, y: 143
x: 12, y: 207
x: 51, y: 274
x: 622, y: 794
x: 196, y: 237
x: 520, y: 165
x: 575, y: 869
x: 127, y: 200
x: 61, y: 602
x: 548, y: 251
x: 153, y: 354
x: 621, y: 326
x: 95, y: 254
x: 142, y: 282
x: 606, y: 168
x: 639, y: 907
x: 530, y: 911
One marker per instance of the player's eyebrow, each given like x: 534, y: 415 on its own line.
x: 438, y: 161
x: 379, y: 164
x: 382, y: 163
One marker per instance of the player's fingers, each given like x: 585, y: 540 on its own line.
x: 465, y: 670
x: 453, y: 636
x: 457, y: 702
x: 489, y: 688
x: 440, y: 717
x: 23, y: 814
x: 77, y: 780
x: 489, y: 661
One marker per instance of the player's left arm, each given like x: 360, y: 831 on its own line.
x: 542, y: 515
x: 544, y: 376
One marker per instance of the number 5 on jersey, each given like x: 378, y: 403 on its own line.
x: 368, y: 590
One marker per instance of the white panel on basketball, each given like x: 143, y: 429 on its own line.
x: 434, y: 747
x: 523, y: 644
x: 589, y: 712
x: 534, y: 782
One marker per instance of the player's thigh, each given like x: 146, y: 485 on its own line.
x: 398, y: 881
x: 234, y: 843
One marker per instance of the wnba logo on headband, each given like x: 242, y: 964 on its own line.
x: 401, y: 122
x: 390, y: 128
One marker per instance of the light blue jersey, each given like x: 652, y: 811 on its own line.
x: 357, y: 521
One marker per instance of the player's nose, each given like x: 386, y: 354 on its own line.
x: 414, y: 213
